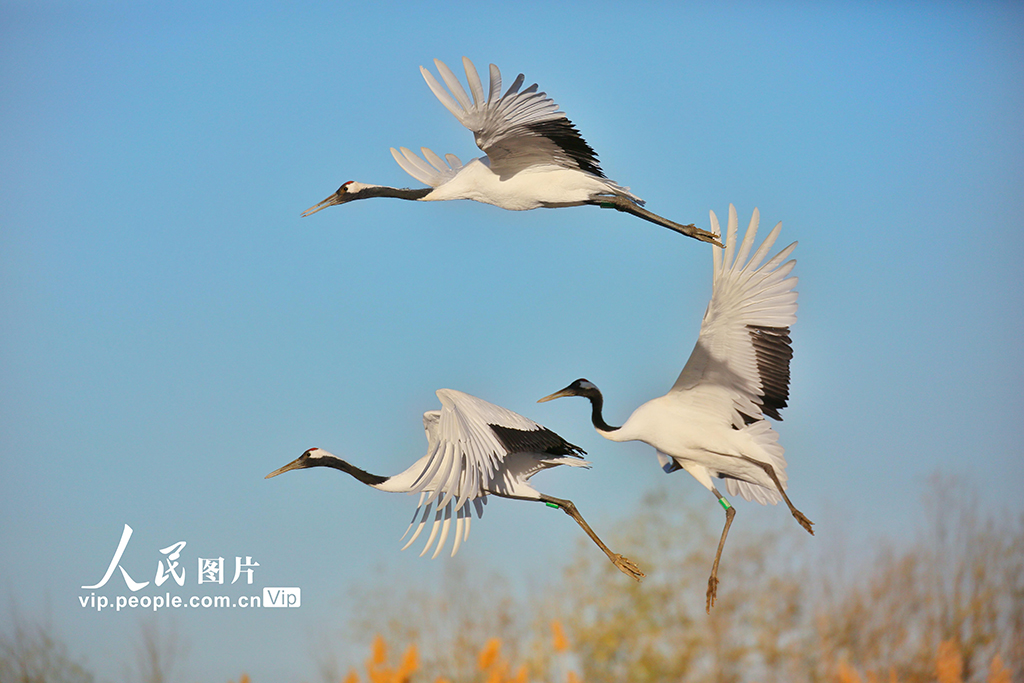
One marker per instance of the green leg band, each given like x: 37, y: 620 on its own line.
x: 552, y: 505
x: 725, y: 504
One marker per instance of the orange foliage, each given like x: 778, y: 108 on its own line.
x: 377, y: 670
x: 410, y: 662
x: 949, y: 665
x: 497, y: 667
x: 378, y: 652
x: 489, y: 655
x: 561, y: 643
x: 847, y: 674
x: 490, y: 660
x: 998, y: 673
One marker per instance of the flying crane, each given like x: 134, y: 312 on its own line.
x: 535, y: 156
x: 475, y: 449
x: 712, y: 423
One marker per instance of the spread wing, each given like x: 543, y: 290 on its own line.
x: 468, y: 442
x: 436, y: 173
x: 742, y: 354
x: 517, y: 129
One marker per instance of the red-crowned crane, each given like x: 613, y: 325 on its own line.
x: 475, y: 449
x: 712, y: 422
x: 535, y: 157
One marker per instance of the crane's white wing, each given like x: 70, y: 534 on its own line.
x: 744, y: 344
x: 436, y: 173
x: 468, y: 442
x: 517, y: 129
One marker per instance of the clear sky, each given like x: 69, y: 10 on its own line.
x: 171, y: 330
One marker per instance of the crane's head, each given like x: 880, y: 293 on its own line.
x: 588, y: 390
x: 580, y: 387
x: 314, y: 457
x: 346, y: 193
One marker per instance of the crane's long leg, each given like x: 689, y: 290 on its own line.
x: 770, y: 471
x: 624, y: 204
x: 625, y: 565
x: 730, y: 512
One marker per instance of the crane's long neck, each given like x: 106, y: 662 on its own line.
x: 374, y: 480
x: 596, y: 405
x: 396, y: 192
x: 352, y: 190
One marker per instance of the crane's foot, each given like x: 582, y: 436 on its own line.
x: 696, y: 233
x: 804, y: 522
x: 704, y: 235
x: 627, y: 566
x: 712, y: 592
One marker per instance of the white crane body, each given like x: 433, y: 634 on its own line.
x: 679, y: 422
x: 535, y: 187
x: 712, y: 423
x: 535, y: 157
x: 475, y: 449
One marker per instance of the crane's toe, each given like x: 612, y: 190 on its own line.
x: 712, y: 592
x: 705, y: 236
x: 804, y: 522
x: 628, y: 567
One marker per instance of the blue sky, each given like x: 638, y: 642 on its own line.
x: 173, y: 330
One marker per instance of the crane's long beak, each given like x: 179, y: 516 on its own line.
x: 334, y: 199
x: 558, y: 394
x: 293, y: 465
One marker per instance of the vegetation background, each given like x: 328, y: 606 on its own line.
x: 171, y: 330
x: 947, y: 607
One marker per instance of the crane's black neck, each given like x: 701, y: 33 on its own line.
x: 596, y: 405
x: 396, y: 192
x: 361, y: 475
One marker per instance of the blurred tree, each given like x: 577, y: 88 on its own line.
x: 446, y: 621
x: 783, y: 615
x: 32, y: 654
x: 658, y: 630
x: 947, y: 603
x: 960, y: 581
x: 159, y: 651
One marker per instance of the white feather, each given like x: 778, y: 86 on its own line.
x: 466, y: 461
